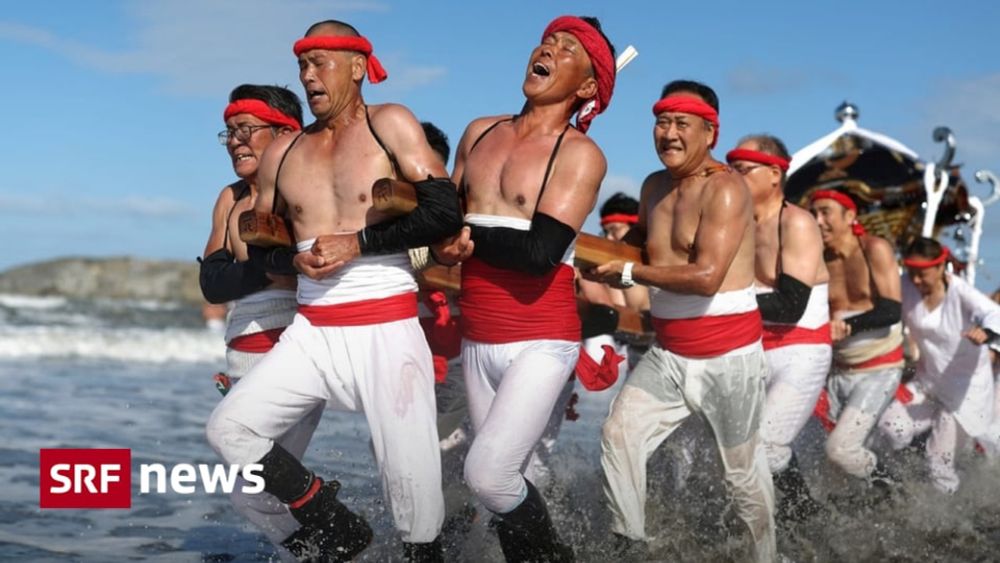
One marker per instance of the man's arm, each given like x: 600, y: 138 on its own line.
x: 437, y: 214
x: 569, y: 196
x: 221, y: 277
x: 887, y: 306
x: 726, y: 214
x: 274, y: 260
x: 801, y: 253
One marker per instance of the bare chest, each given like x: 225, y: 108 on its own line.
x: 672, y: 225
x: 850, y: 283
x: 504, y: 175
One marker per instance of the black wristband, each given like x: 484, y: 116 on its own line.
x: 535, y: 251
x: 224, y: 279
x: 436, y: 217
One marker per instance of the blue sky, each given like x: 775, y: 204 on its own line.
x: 111, y: 108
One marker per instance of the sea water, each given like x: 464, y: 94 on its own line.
x: 128, y: 374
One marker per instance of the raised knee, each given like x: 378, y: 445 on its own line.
x: 614, y: 432
x: 219, y: 428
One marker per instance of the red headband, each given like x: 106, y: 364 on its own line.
x: 376, y: 73
x: 756, y: 156
x: 839, y: 197
x: 600, y: 59
x: 619, y: 218
x: 260, y: 110
x: 689, y: 104
x: 843, y: 199
x: 921, y: 263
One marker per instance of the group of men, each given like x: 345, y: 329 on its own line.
x: 742, y: 289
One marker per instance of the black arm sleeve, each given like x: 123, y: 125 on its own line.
x: 786, y: 303
x: 886, y: 312
x: 437, y: 216
x: 224, y: 279
x: 274, y: 260
x: 535, y: 251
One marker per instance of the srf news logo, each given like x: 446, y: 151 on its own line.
x: 102, y: 478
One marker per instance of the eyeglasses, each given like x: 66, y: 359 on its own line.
x: 744, y: 170
x: 242, y: 133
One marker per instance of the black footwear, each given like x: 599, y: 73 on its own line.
x: 423, y: 552
x: 526, y: 533
x: 329, y: 532
x: 796, y: 504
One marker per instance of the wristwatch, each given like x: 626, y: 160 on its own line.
x: 627, y: 280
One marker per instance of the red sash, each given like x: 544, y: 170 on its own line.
x: 361, y: 313
x: 707, y: 337
x: 776, y: 336
x: 258, y: 342
x: 503, y: 306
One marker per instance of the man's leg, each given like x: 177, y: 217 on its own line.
x: 730, y: 392
x: 900, y: 423
x: 649, y: 407
x: 524, y: 402
x: 394, y: 376
x: 869, y: 395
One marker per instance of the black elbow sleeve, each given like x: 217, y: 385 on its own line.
x: 886, y: 312
x: 787, y: 303
x: 436, y: 217
x: 273, y: 260
x: 224, y: 279
x: 535, y: 251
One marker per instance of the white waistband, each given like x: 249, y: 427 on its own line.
x: 519, y: 223
x: 665, y: 304
x: 363, y: 278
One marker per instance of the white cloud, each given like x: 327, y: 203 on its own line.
x: 129, y: 207
x: 205, y: 48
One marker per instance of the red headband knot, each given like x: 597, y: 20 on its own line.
x: 758, y: 157
x: 262, y: 111
x: 376, y: 73
x: 619, y: 218
x: 921, y: 263
x: 601, y: 60
x: 689, y: 104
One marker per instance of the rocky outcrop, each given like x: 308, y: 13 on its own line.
x: 113, y: 278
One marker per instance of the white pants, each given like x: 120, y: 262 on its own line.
x: 382, y: 370
x: 660, y: 393
x: 512, y: 390
x: 901, y: 423
x: 263, y: 510
x: 797, y: 375
x: 856, y: 403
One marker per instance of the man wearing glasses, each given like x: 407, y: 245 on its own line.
x: 356, y: 343
x: 792, y: 295
x: 696, y: 221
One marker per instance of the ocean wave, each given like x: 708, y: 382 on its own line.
x: 132, y: 344
x: 31, y: 302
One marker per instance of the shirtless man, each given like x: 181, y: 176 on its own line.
x: 356, y: 343
x: 696, y: 221
x: 530, y: 181
x: 792, y: 295
x: 866, y: 330
x: 262, y: 304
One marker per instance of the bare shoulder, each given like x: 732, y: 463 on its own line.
x: 228, y: 194
x: 277, y: 148
x: 726, y: 188
x: 798, y: 220
x: 479, y: 125
x: 579, y: 148
x: 876, y: 246
x: 389, y: 115
x: 654, y: 180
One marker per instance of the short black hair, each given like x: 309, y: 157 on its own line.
x: 771, y: 145
x: 620, y: 203
x: 596, y: 24
x: 923, y: 247
x: 437, y: 140
x: 278, y: 97
x: 701, y: 90
x: 347, y: 29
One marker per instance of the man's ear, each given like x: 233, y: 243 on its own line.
x: 588, y: 89
x: 359, y: 64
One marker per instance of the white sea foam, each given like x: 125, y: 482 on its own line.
x: 119, y: 344
x: 31, y: 302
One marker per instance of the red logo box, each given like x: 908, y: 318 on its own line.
x: 85, y: 478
